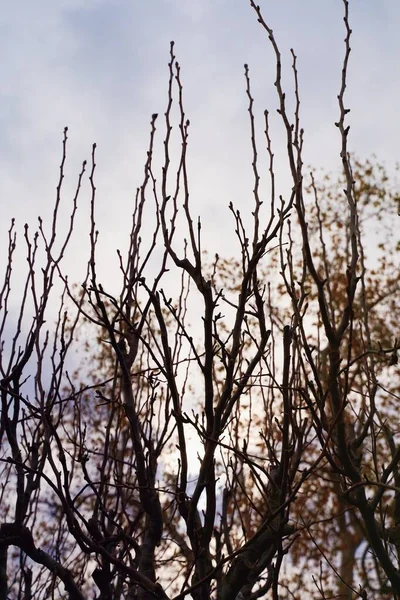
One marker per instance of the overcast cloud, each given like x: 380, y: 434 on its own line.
x: 100, y: 67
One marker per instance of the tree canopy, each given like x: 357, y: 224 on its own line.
x: 221, y: 426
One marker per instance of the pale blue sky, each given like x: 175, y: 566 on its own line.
x: 100, y: 67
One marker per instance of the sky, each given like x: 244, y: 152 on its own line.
x: 100, y: 68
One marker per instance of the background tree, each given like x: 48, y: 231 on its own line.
x: 188, y: 460
x: 376, y: 317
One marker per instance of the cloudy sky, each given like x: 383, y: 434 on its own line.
x: 100, y: 67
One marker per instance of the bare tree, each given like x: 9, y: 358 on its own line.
x: 226, y: 413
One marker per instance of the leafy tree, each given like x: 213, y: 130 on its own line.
x: 234, y: 439
x: 372, y: 375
